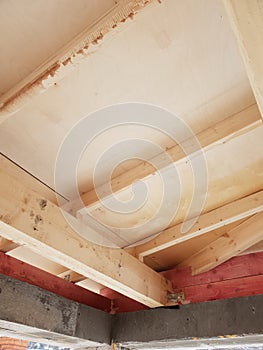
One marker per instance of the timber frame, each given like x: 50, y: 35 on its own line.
x: 224, y: 255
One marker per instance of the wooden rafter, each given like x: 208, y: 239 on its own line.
x: 207, y: 222
x: 246, y: 18
x: 31, y: 220
x: 227, y: 246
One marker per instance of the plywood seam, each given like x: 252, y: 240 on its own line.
x: 34, y: 177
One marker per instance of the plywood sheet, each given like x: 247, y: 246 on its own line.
x: 32, y: 31
x: 180, y: 55
x: 232, y: 169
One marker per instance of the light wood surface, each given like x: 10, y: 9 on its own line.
x: 30, y: 220
x: 227, y: 246
x: 246, y: 18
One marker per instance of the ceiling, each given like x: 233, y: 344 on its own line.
x: 180, y: 57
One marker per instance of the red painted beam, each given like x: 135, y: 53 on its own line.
x: 21, y: 271
x: 237, y: 267
x: 240, y: 287
x: 239, y: 276
x: 109, y: 300
x: 122, y: 303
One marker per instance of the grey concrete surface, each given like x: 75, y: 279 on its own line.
x: 41, y: 315
x: 221, y: 318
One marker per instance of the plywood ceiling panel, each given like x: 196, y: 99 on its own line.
x: 32, y: 31
x: 180, y: 55
x: 230, y: 175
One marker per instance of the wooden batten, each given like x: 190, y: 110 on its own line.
x: 207, y: 222
x: 246, y: 18
x: 227, y: 246
x: 229, y: 126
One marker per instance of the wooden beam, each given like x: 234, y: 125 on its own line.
x: 71, y: 276
x: 230, y: 125
x: 90, y: 285
x: 74, y: 277
x: 236, y: 267
x: 30, y: 257
x: 228, y: 245
x: 212, y: 220
x: 246, y: 18
x: 106, y: 300
x: 121, y: 303
x: 239, y: 287
x: 214, y: 284
x: 31, y: 220
x: 26, y: 273
x: 239, y: 276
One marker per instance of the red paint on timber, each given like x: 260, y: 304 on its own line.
x: 24, y: 272
x: 239, y: 276
x: 237, y: 267
x: 121, y: 302
x: 239, y: 287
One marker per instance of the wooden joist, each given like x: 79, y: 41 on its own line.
x: 28, y: 256
x: 212, y: 220
x: 24, y: 272
x: 231, y: 125
x: 71, y: 276
x: 227, y: 246
x: 246, y: 18
x: 29, y: 219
